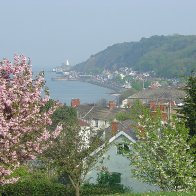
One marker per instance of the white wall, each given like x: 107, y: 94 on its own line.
x: 101, y: 124
x: 118, y: 163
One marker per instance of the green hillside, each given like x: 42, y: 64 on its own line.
x: 168, y: 56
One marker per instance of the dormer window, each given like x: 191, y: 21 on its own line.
x: 123, y: 148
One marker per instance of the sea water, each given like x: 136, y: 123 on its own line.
x: 65, y: 90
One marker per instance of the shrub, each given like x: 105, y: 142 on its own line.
x: 97, y: 189
x: 36, y: 184
x: 47, y: 188
x: 35, y: 188
x: 107, y: 178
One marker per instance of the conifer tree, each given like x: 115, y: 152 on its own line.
x: 189, y: 110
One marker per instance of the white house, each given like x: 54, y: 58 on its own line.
x: 96, y: 116
x: 116, y: 163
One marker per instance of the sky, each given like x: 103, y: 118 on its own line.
x: 52, y: 31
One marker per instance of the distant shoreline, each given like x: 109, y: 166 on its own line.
x: 112, y: 87
x: 115, y: 88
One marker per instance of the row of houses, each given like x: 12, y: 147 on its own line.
x: 113, y: 161
x: 103, y: 119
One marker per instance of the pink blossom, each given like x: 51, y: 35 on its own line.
x: 32, y: 157
x: 8, y: 102
x: 20, y: 114
x: 57, y: 131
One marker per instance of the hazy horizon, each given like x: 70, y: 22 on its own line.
x: 50, y: 32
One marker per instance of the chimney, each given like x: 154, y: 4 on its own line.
x: 164, y: 116
x: 173, y: 103
x: 152, y: 105
x: 112, y: 105
x: 114, y: 126
x: 162, y: 107
x: 75, y: 103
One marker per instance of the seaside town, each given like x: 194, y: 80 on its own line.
x: 118, y: 80
x: 166, y: 94
x: 111, y: 123
x: 98, y: 98
x: 112, y: 119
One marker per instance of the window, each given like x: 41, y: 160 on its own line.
x: 96, y: 123
x: 123, y: 148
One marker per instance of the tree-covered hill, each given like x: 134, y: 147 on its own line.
x: 168, y: 56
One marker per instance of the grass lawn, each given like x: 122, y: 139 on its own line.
x: 155, y: 194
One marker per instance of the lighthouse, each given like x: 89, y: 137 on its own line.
x: 67, y: 63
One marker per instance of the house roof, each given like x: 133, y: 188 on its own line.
x: 165, y: 93
x: 116, y: 136
x: 83, y: 123
x: 97, y: 112
x: 123, y: 126
x: 120, y: 134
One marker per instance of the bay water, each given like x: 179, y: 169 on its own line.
x: 65, y: 90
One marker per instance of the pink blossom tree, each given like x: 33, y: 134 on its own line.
x: 23, y: 122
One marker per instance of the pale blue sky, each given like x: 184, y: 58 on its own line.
x: 51, y: 31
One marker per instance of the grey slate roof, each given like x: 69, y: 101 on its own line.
x: 164, y: 93
x: 97, y: 112
x: 125, y: 126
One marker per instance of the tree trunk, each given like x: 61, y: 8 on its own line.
x: 77, y: 188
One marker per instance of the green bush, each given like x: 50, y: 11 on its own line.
x: 46, y: 188
x: 37, y: 184
x: 21, y: 172
x: 107, y: 178
x: 34, y: 188
x: 96, y: 189
x: 33, y: 184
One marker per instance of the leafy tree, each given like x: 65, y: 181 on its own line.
x: 71, y: 154
x: 121, y: 116
x: 64, y: 115
x: 189, y: 110
x: 23, y: 128
x: 161, y: 155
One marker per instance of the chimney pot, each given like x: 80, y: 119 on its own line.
x: 75, y: 103
x: 112, y: 105
x: 114, y: 126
